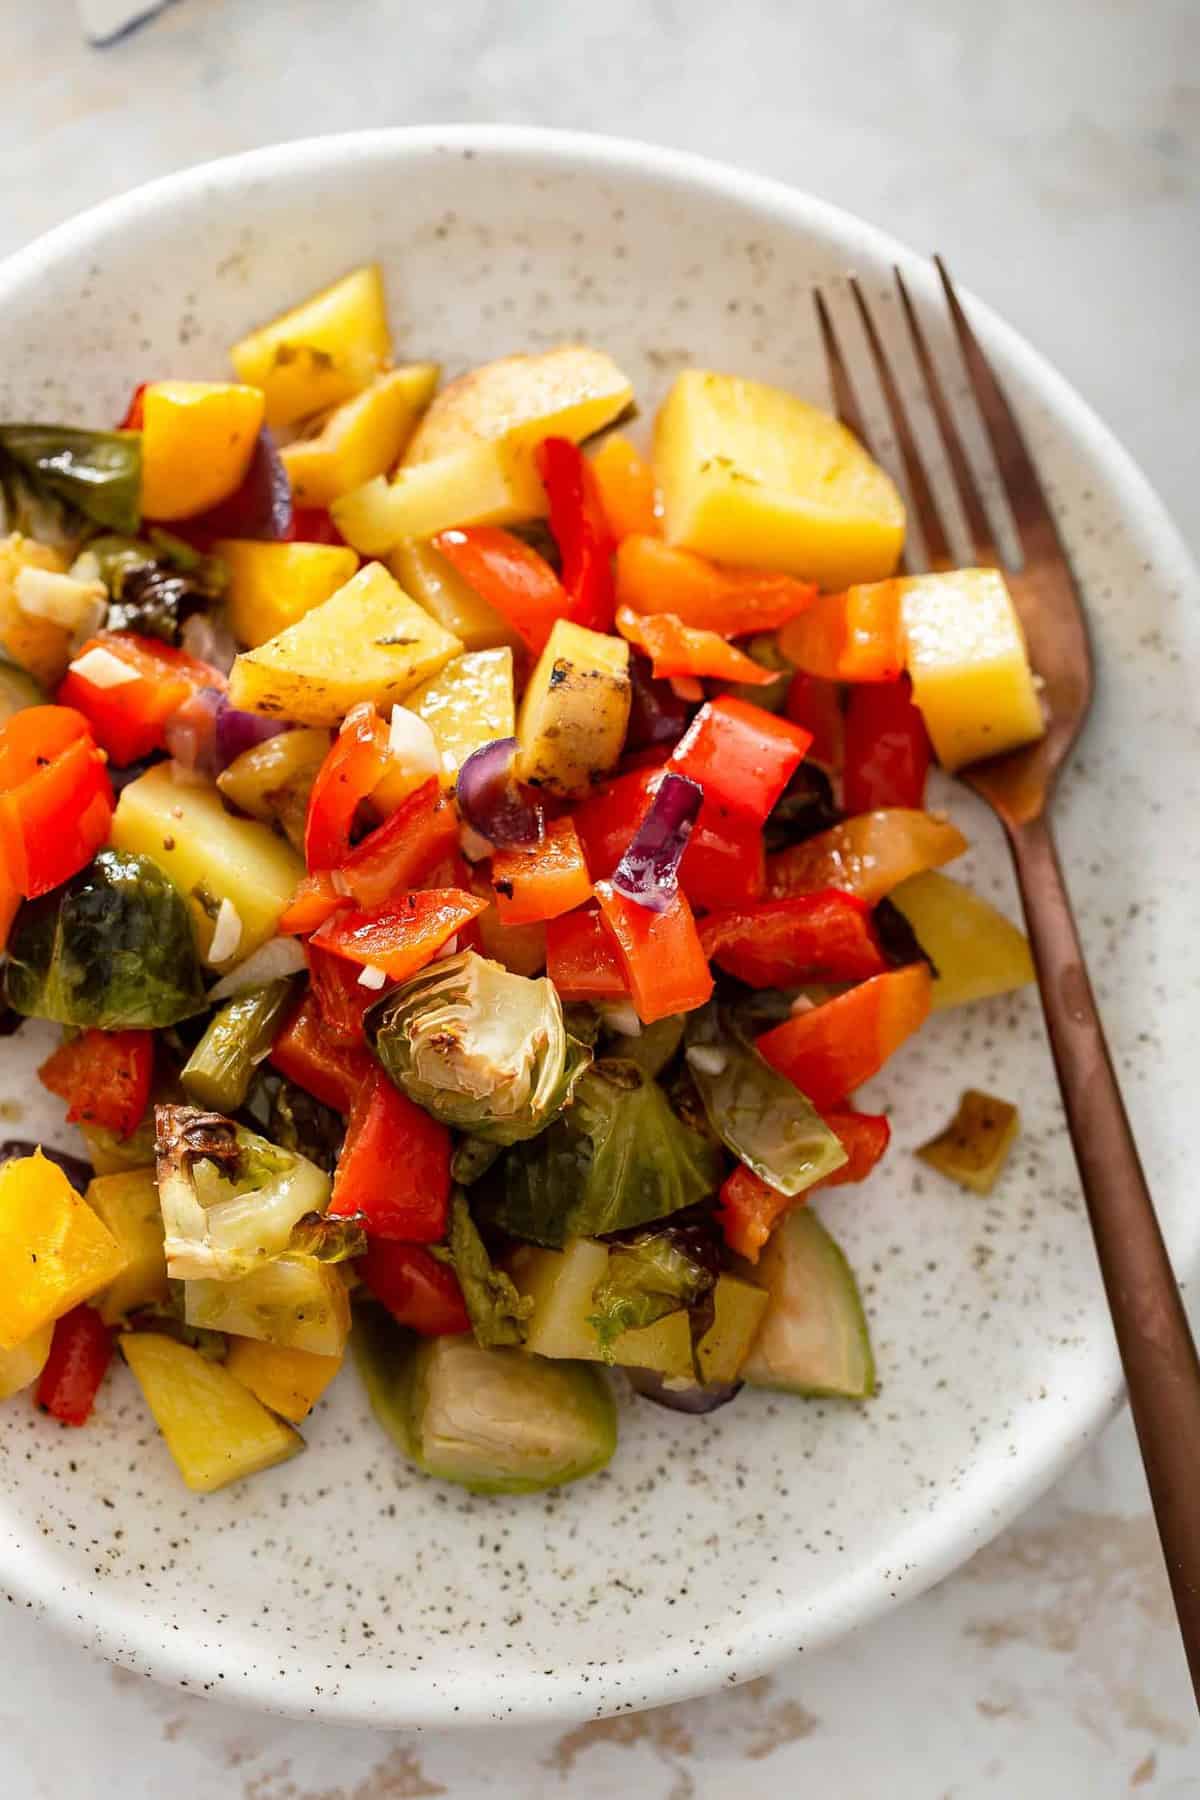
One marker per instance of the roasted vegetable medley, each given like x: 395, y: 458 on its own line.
x: 473, y: 875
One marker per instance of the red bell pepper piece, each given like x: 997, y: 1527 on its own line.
x: 665, y: 967
x: 80, y: 1352
x: 607, y: 820
x: 544, y: 882
x: 56, y: 800
x: 626, y: 483
x: 677, y: 649
x: 307, y: 1053
x: 312, y: 525
x: 511, y: 577
x: 394, y: 1167
x: 832, y: 1049
x: 855, y: 636
x: 654, y: 577
x: 135, y: 411
x: 826, y: 936
x: 311, y: 904
x: 416, y: 1289
x: 104, y: 1076
x: 403, y: 934
x: 742, y: 756
x: 582, y: 959
x: 581, y: 531
x: 354, y: 765
x: 338, y: 995
x: 129, y: 720
x: 750, y: 1207
x: 817, y: 706
x: 887, y: 748
x: 403, y: 851
x: 723, y: 865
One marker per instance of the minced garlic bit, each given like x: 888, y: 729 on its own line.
x: 372, y: 977
x: 707, y: 1058
x: 227, y: 933
x: 102, y: 669
x: 412, y: 743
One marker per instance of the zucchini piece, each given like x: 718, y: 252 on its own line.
x: 215, y: 1428
x: 974, y: 1147
x: 495, y: 1421
x: 814, y: 1337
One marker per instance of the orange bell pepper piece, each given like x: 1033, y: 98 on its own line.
x: 677, y: 649
x: 832, y: 1049
x: 403, y: 934
x: 582, y: 959
x: 541, y: 883
x: 855, y: 636
x: 653, y: 577
x: 665, y: 966
x: 868, y: 855
x: 626, y: 483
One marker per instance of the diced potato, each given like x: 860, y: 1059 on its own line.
x: 294, y: 1301
x: 570, y: 391
x: 54, y: 1251
x: 970, y: 670
x: 483, y: 484
x: 368, y: 641
x: 36, y: 644
x: 424, y: 573
x: 215, y: 1428
x: 273, y: 585
x: 361, y: 438
x: 197, y: 441
x: 318, y: 354
x: 273, y: 780
x: 575, y: 711
x: 974, y: 1147
x: 21, y: 1366
x: 467, y: 704
x: 209, y: 855
x: 128, y: 1205
x: 290, y: 1382
x: 752, y: 475
x: 976, y: 951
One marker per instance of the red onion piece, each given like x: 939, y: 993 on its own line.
x: 238, y: 731
x: 700, y: 1398
x: 191, y: 731
x: 206, y: 638
x: 656, y: 714
x: 648, y: 873
x: 260, y: 508
x: 493, y: 803
x: 77, y: 1171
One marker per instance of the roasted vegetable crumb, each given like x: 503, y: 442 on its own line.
x: 973, y: 1148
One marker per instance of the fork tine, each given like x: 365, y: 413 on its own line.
x: 845, y: 401
x: 1034, y: 520
x: 937, y: 547
x: 978, y: 524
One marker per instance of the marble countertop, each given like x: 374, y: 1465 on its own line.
x: 1053, y: 154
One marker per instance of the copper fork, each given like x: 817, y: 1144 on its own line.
x: 1159, y: 1356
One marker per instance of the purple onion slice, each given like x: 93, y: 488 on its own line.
x: 697, y: 1397
x: 648, y: 873
x: 238, y: 731
x: 207, y: 734
x: 261, y: 507
x: 656, y: 714
x: 493, y: 803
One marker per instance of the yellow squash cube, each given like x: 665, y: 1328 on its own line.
x: 368, y: 641
x: 571, y: 391
x: 968, y: 663
x: 128, y: 1205
x: 752, y: 475
x: 467, y: 704
x: 215, y: 1428
x: 481, y: 484
x: 21, y: 1366
x: 320, y: 353
x: 575, y: 711
x: 361, y: 438
x: 197, y: 441
x: 289, y: 1381
x: 273, y: 585
x: 447, y: 597
x: 209, y: 855
x: 976, y: 951
x: 54, y: 1251
x: 34, y: 643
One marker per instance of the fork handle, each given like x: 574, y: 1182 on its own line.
x: 1162, y: 1370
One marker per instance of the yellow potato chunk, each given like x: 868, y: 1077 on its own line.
x: 575, y: 711
x: 54, y: 1251
x: 35, y: 643
x: 128, y: 1205
x: 368, y: 641
x: 970, y: 670
x: 21, y: 1366
x: 424, y: 573
x: 481, y: 484
x: 209, y: 855
x: 976, y: 951
x: 197, y: 441
x: 467, y: 704
x: 361, y: 438
x: 318, y: 354
x: 289, y: 1381
x: 215, y: 1428
x: 570, y: 391
x: 752, y: 475
x: 273, y: 585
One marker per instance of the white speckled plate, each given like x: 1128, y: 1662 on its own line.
x: 346, y: 1586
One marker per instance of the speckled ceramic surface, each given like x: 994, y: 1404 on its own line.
x: 344, y: 1585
